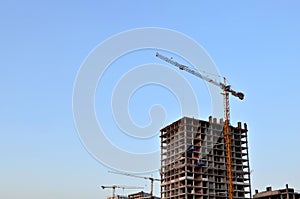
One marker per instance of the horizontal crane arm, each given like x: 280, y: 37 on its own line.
x: 186, y: 68
x: 227, y: 88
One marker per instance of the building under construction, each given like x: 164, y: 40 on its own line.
x: 193, y: 160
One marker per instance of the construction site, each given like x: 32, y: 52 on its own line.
x: 203, y: 159
x: 193, y: 160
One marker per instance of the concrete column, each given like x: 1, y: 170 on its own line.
x: 287, y: 191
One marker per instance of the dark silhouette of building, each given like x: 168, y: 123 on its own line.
x: 287, y: 193
x: 142, y: 195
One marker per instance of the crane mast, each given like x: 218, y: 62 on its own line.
x: 227, y: 136
x: 227, y: 139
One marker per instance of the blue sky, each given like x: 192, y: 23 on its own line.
x: 255, y: 44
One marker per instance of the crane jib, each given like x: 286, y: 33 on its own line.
x: 224, y: 87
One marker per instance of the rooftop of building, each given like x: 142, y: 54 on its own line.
x: 269, y: 192
x: 210, y: 120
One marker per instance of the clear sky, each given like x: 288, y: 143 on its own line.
x: 255, y: 44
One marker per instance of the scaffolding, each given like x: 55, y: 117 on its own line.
x: 193, y: 160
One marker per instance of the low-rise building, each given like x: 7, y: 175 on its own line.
x: 117, y: 197
x: 142, y: 195
x: 287, y: 193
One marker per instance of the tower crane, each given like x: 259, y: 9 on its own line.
x: 227, y: 136
x: 114, y: 187
x: 144, y: 177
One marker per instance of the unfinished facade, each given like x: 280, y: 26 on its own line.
x: 193, y: 160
